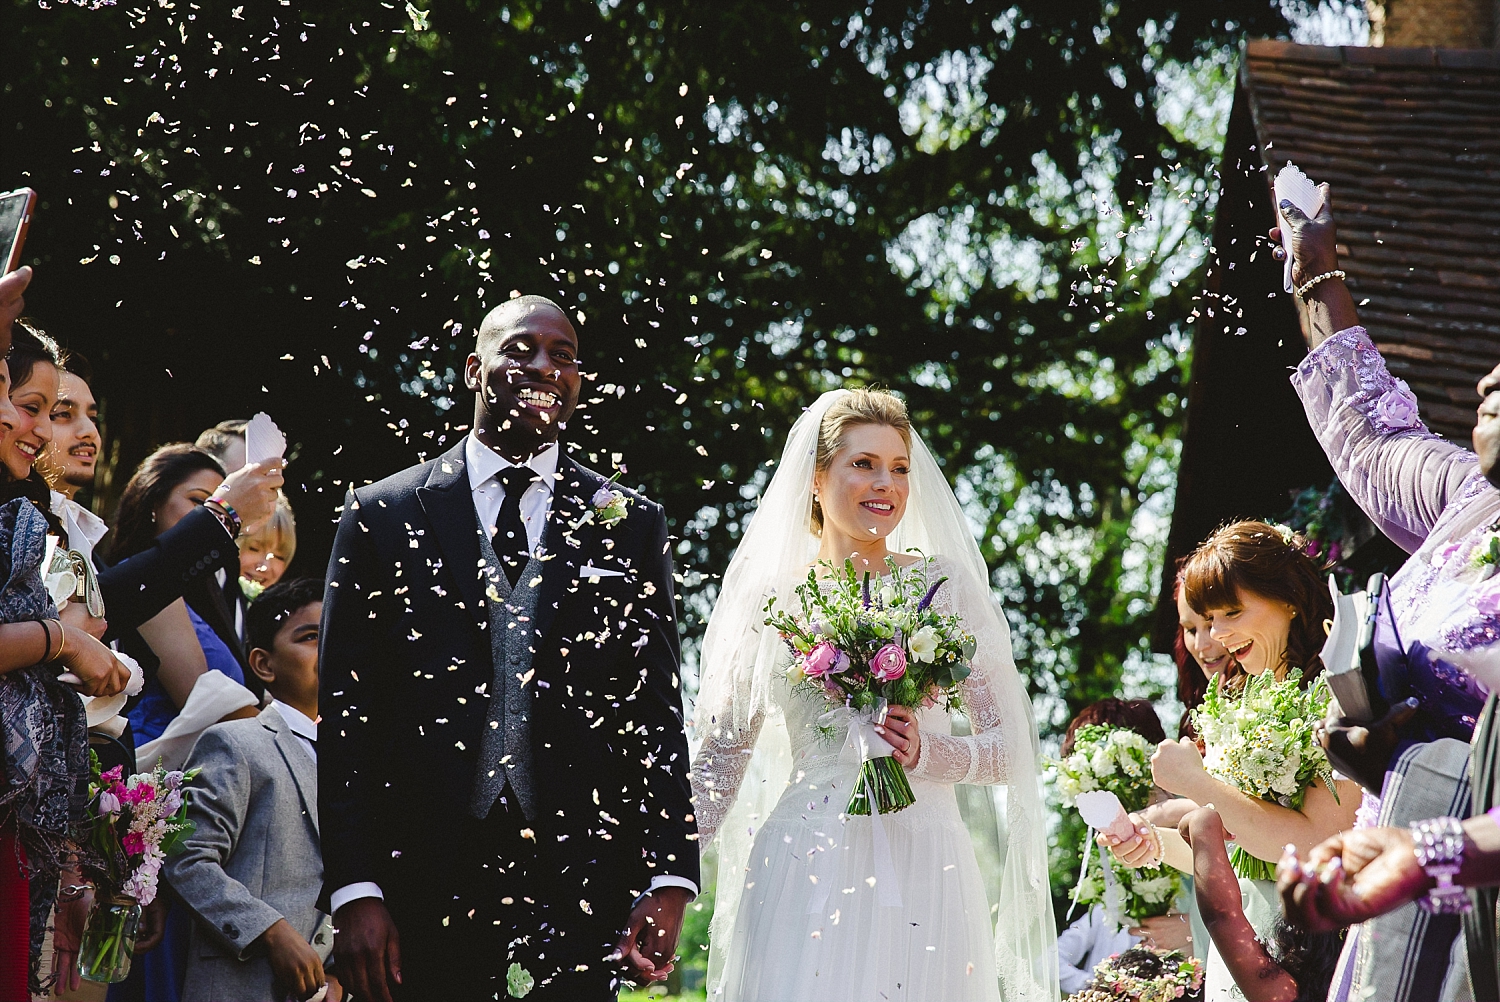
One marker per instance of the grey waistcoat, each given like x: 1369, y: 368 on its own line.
x: 505, y: 746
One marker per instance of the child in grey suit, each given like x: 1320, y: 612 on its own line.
x: 251, y: 871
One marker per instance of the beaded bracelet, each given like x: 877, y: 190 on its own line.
x: 227, y: 516
x: 1438, y: 844
x: 1310, y: 284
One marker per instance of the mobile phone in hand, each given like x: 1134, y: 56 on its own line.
x: 16, y: 208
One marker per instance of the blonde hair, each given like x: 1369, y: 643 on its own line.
x: 856, y: 407
x: 278, y: 531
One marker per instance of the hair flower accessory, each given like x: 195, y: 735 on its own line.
x: 1396, y: 409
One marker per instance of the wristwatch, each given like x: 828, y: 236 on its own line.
x: 1439, y: 847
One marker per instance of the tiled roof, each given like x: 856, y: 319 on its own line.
x: 1410, y: 141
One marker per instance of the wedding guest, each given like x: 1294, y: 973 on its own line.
x: 1436, y: 635
x: 266, y: 551
x: 251, y: 871
x: 188, y: 637
x: 1200, y: 658
x: 225, y: 442
x: 70, y: 460
x: 41, y: 721
x: 1288, y: 965
x: 1090, y: 939
x: 1265, y: 601
x: 1166, y: 932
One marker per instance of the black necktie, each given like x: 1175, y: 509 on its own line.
x: 511, y: 544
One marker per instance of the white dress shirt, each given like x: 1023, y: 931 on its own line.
x: 301, y: 725
x: 483, y: 466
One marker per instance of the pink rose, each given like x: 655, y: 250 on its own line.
x: 112, y: 775
x: 1396, y: 410
x: 824, y: 659
x: 889, y: 663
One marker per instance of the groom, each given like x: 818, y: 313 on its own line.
x: 503, y: 777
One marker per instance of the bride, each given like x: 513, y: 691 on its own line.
x: 947, y: 900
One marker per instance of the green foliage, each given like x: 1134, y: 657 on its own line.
x: 307, y: 208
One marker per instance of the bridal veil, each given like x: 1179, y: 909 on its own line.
x: 740, y: 661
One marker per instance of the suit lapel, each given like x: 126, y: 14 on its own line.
x: 303, y: 769
x: 449, y: 506
x: 566, y: 546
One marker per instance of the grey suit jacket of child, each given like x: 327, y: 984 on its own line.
x: 254, y: 858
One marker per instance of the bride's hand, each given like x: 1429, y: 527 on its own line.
x: 902, y: 733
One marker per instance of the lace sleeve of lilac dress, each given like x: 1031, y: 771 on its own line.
x: 1401, y: 474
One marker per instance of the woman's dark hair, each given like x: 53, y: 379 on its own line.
x: 1257, y: 558
x: 158, y: 476
x: 30, y: 345
x: 269, y: 613
x: 1133, y: 714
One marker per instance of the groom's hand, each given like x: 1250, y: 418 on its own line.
x: 368, y: 949
x: 650, y: 943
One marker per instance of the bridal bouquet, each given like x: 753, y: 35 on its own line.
x: 861, y: 646
x: 1116, y: 759
x: 1261, y: 743
x: 134, y: 823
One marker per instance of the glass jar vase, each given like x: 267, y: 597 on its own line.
x: 109, y: 939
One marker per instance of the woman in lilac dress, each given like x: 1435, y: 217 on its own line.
x: 1438, y: 642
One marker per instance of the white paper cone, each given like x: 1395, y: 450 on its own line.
x: 1297, y: 188
x: 263, y: 440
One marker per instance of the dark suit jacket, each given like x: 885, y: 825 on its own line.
x: 140, y: 586
x: 407, y: 671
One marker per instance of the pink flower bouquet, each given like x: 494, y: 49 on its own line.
x: 134, y: 824
x: 863, y: 644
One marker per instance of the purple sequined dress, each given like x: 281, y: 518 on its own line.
x: 1438, y: 639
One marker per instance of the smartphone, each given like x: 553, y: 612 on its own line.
x: 16, y: 208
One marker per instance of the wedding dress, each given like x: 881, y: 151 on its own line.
x: 947, y: 900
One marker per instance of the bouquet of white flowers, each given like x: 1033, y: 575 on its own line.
x: 1261, y: 743
x: 1118, y: 760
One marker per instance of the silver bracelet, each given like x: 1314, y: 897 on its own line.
x: 1439, y: 847
x: 1310, y: 284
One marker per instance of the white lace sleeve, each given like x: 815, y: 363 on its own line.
x: 979, y: 758
x: 718, y: 769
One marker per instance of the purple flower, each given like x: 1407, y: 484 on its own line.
x: 865, y: 592
x: 931, y: 594
x: 889, y: 663
x: 1396, y: 410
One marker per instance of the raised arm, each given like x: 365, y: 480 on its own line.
x: 1400, y: 473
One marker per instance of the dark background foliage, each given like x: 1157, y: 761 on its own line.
x: 307, y: 209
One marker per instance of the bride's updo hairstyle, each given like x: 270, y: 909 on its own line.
x: 857, y: 407
x: 1271, y: 562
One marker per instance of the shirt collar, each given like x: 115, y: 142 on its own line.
x: 483, y: 463
x: 296, y: 721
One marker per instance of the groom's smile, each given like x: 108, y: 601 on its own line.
x: 524, y: 370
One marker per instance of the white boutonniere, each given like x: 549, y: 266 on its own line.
x: 607, y: 507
